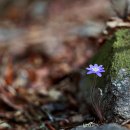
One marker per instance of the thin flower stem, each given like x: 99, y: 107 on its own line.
x: 93, y: 87
x: 95, y: 105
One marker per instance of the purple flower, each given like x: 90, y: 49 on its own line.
x: 95, y: 69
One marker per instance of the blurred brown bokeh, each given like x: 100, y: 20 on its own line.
x: 58, y: 36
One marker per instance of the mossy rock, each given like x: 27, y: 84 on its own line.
x: 117, y: 96
x: 115, y: 82
x: 114, y: 55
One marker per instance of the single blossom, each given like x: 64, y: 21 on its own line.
x: 95, y: 69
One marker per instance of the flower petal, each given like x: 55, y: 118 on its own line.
x: 91, y: 66
x: 100, y: 66
x: 95, y: 65
x: 99, y: 74
x: 95, y: 69
x: 102, y: 70
x: 88, y: 69
x: 90, y: 72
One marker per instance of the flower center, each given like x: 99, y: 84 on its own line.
x: 95, y: 69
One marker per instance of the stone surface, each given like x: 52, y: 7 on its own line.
x: 123, y: 88
x: 103, y: 127
x: 117, y: 96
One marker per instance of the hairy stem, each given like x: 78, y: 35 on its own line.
x: 95, y: 104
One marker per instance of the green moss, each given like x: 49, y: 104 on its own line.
x: 104, y: 57
x: 121, y: 49
x: 114, y: 55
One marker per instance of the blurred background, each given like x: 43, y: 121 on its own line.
x: 50, y: 39
x: 44, y: 47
